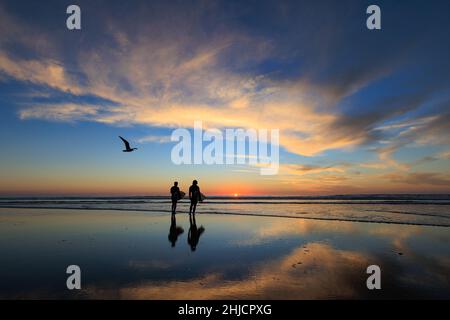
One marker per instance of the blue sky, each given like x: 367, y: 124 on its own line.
x: 359, y: 111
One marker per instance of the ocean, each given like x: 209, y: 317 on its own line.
x: 427, y: 210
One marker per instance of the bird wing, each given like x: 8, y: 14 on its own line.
x: 127, y: 144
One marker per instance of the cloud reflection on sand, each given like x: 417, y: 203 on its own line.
x: 127, y: 255
x: 313, y: 270
x: 318, y: 271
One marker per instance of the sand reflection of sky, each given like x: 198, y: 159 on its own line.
x: 128, y: 255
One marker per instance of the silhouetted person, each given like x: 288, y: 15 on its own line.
x: 175, y: 196
x: 194, y: 195
x: 174, y: 231
x: 194, y: 233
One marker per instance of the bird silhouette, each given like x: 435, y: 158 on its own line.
x: 127, y: 145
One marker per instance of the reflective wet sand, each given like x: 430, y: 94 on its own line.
x: 139, y: 255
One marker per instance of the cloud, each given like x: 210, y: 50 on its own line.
x: 313, y: 169
x: 420, y: 178
x: 173, y: 83
x: 444, y: 154
x: 157, y: 139
x: 424, y: 160
x: 62, y: 112
x: 421, y: 131
x: 43, y: 72
x: 173, y: 71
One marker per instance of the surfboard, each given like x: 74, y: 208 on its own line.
x: 202, y: 196
x: 182, y: 194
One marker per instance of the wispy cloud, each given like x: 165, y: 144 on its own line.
x: 156, y: 83
x: 174, y: 71
x: 420, y: 178
x: 156, y: 139
x: 313, y: 169
x: 62, y: 112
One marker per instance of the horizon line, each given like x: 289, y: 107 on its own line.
x: 223, y: 195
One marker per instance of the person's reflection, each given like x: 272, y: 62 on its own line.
x: 174, y: 230
x: 194, y: 232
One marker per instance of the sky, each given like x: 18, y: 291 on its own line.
x: 358, y: 111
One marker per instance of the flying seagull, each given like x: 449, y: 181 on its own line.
x: 127, y: 145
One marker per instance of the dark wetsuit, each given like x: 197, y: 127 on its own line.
x: 194, y: 190
x: 175, y: 191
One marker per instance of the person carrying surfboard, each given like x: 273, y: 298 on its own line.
x: 175, y: 192
x: 194, y: 195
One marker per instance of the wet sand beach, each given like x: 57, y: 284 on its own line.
x: 129, y: 255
